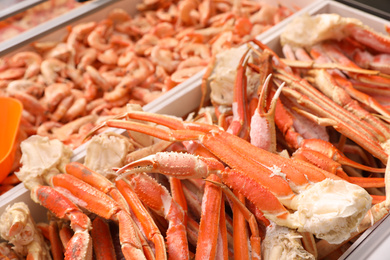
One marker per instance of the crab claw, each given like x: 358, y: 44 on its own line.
x: 178, y: 165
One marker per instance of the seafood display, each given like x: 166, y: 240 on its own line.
x: 70, y: 84
x: 34, y: 16
x: 286, y: 158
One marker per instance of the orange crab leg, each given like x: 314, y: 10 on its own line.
x: 369, y: 37
x: 96, y: 180
x: 208, y: 228
x: 240, y: 123
x: 367, y: 140
x: 55, y: 242
x: 80, y: 245
x: 149, y: 226
x: 65, y: 235
x: 199, y: 167
x: 328, y: 82
x: 346, y: 123
x: 242, y: 251
x: 102, y: 242
x: 221, y: 144
x: 162, y: 203
x: 223, y: 240
x: 335, y: 54
x: 178, y: 195
x: 322, y: 104
x: 280, y: 187
x: 89, y: 176
x: 332, y: 152
x: 102, y: 205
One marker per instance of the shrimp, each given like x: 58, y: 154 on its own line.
x: 60, y: 51
x: 145, y: 44
x: 46, y: 128
x: 31, y: 104
x: 28, y: 86
x: 96, y: 39
x: 62, y: 133
x: 12, y: 73
x: 125, y: 58
x: 187, y: 12
x: 31, y: 60
x: 42, y: 47
x: 62, y: 108
x: 97, y: 78
x: 163, y: 30
x: 77, y: 109
x: 195, y: 49
x: 87, y: 57
x: 164, y: 58
x: 109, y: 57
x: 121, y: 89
x: 118, y: 15
x: 183, y: 74
x: 54, y: 93
x: 145, y: 95
x: 52, y: 69
x: 78, y: 32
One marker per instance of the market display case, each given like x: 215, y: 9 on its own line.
x: 58, y: 28
x: 24, y: 16
x: 185, y: 97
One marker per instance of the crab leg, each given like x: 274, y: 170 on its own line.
x: 209, y: 228
x: 330, y: 87
x: 98, y: 181
x: 263, y: 121
x: 102, y: 242
x: 80, y: 245
x: 365, y: 140
x: 240, y: 124
x: 336, y: 55
x: 346, y: 122
x: 241, y: 250
x: 251, y: 166
x: 56, y: 246
x: 319, y: 54
x: 281, y: 188
x: 199, y: 167
x: 223, y: 150
x: 329, y: 150
x: 102, y: 205
x: 149, y: 226
x: 163, y: 204
x: 317, y: 142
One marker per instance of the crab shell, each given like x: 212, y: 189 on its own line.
x: 306, y: 30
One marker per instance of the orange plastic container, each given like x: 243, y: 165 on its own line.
x: 10, y: 113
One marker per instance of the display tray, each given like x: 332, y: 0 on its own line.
x: 372, y: 244
x: 11, y: 7
x: 379, y: 8
x: 98, y: 10
x: 185, y: 98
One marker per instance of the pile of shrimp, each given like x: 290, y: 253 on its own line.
x: 26, y: 20
x: 70, y: 85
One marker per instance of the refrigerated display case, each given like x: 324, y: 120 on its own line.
x: 184, y: 98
